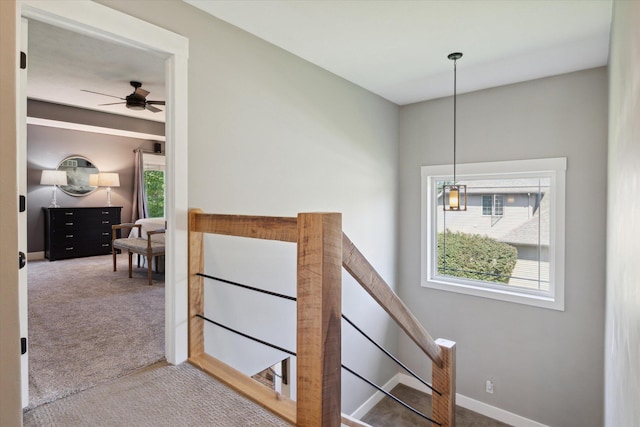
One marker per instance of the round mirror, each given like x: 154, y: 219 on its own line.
x: 78, y: 169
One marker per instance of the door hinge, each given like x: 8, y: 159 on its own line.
x: 23, y: 203
x: 22, y: 260
x: 23, y: 345
x: 23, y: 60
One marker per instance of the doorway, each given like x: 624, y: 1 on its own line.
x: 99, y: 21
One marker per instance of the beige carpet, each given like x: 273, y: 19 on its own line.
x: 161, y: 395
x: 88, y: 324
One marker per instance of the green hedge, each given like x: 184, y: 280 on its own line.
x: 475, y: 257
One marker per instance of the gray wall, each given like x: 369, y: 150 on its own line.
x: 47, y: 146
x: 622, y: 347
x: 546, y: 365
x: 271, y: 134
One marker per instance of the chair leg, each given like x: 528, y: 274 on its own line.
x: 130, y: 262
x: 157, y: 264
x: 138, y: 260
x: 149, y: 267
x: 114, y: 258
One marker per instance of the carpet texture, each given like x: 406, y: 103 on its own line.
x: 161, y: 395
x: 89, y: 324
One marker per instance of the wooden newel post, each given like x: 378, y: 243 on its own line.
x: 319, y: 319
x: 444, y: 380
x: 196, y: 290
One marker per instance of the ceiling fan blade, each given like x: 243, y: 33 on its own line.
x: 156, y: 102
x: 111, y: 103
x: 98, y: 93
x: 141, y: 92
x: 153, y: 109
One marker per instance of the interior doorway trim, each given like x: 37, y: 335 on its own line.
x: 95, y: 20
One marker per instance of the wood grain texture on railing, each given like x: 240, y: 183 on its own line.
x: 443, y: 408
x: 257, y: 227
x: 357, y: 265
x: 247, y: 386
x: 319, y: 308
x: 196, y: 289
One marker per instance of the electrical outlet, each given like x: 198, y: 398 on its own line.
x: 489, y: 387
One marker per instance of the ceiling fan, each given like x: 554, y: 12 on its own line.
x: 136, y: 101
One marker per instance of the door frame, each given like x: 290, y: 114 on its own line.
x: 102, y: 22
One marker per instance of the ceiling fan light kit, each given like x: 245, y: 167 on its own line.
x: 454, y: 196
x: 137, y: 100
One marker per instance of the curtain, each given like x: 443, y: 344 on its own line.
x: 139, y: 205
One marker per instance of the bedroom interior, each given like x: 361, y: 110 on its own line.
x: 65, y: 355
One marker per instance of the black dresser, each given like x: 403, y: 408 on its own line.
x: 78, y: 232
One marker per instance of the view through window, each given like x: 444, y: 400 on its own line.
x: 502, y: 238
x: 154, y: 182
x: 506, y: 245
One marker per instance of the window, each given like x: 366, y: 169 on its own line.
x: 492, y: 205
x: 509, y: 244
x: 154, y: 183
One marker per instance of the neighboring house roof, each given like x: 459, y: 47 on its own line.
x: 533, y: 232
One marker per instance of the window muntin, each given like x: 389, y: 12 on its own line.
x: 510, y: 208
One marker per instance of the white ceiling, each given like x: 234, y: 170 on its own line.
x: 396, y: 49
x: 61, y: 63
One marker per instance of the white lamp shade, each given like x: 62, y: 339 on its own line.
x: 93, y: 179
x: 108, y: 179
x: 52, y: 177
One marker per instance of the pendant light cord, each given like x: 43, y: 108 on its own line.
x: 454, y: 118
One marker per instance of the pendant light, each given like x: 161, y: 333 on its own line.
x: 454, y: 195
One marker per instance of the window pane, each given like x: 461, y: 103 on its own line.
x: 497, y: 205
x: 486, y: 205
x: 154, y: 187
x: 502, y: 238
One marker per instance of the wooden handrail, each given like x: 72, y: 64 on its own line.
x: 360, y: 269
x: 257, y: 227
x: 322, y: 249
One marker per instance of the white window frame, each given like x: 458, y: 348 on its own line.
x: 555, y: 169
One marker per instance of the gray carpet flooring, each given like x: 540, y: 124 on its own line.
x: 88, y: 324
x: 161, y: 395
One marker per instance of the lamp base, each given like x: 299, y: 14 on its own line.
x: 54, y: 201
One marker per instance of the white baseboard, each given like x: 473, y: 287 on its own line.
x: 461, y: 400
x: 475, y: 405
x: 377, y: 397
x: 34, y: 256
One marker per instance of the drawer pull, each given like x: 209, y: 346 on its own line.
x: 68, y: 223
x: 106, y: 233
x: 106, y: 245
x: 68, y: 213
x: 105, y: 212
x: 68, y: 236
x: 69, y: 249
x: 105, y: 222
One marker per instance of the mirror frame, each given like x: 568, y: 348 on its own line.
x: 77, y: 175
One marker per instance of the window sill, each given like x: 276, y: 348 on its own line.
x: 500, y: 293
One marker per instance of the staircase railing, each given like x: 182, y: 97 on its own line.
x: 322, y: 251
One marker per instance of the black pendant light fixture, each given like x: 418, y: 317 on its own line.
x: 454, y: 195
